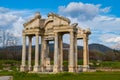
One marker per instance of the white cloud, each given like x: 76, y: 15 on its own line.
x: 104, y: 23
x: 3, y: 10
x: 110, y: 38
x: 12, y: 20
x: 105, y: 27
x: 6, y: 19
x: 8, y: 16
x: 17, y: 27
x: 82, y: 11
x: 116, y: 39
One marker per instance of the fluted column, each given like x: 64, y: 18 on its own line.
x: 71, y: 55
x: 76, y: 54
x: 36, y: 66
x: 42, y: 53
x: 85, y: 54
x: 61, y: 53
x: 29, y: 53
x: 47, y: 49
x: 23, y: 63
x: 45, y: 55
x: 56, y: 52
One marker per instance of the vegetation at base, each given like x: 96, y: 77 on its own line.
x: 99, y: 64
x: 9, y: 65
x: 14, y: 65
x: 64, y: 76
x: 105, y: 64
x: 112, y: 64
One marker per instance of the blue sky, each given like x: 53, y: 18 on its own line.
x: 101, y: 16
x: 52, y: 5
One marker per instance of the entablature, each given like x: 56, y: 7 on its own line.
x: 53, y: 24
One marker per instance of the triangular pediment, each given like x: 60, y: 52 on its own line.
x: 55, y: 20
x: 35, y: 23
x: 32, y: 23
x: 58, y: 20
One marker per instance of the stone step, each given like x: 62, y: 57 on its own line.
x: 6, y: 77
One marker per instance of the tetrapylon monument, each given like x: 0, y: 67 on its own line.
x: 52, y: 29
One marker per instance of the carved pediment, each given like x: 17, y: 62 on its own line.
x: 55, y: 20
x: 58, y: 20
x: 33, y: 23
x: 49, y: 27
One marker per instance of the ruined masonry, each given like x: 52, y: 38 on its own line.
x: 52, y: 29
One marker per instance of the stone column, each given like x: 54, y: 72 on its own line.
x: 76, y: 57
x: 56, y: 52
x: 47, y: 49
x: 36, y: 66
x: 61, y: 53
x: 29, y: 53
x: 23, y: 63
x: 85, y: 54
x: 42, y: 53
x: 71, y: 54
x: 47, y: 58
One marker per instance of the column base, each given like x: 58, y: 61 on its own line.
x: 36, y: 69
x: 86, y: 68
x: 30, y: 68
x: 23, y: 68
x: 71, y: 69
x: 42, y: 69
x: 48, y: 68
x: 61, y: 69
x: 55, y: 69
x: 76, y: 69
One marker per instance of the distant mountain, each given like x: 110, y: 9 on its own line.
x: 100, y: 48
x: 95, y: 47
x: 96, y: 50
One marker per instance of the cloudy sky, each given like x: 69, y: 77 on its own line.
x: 101, y: 16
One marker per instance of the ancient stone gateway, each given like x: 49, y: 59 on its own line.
x: 52, y: 29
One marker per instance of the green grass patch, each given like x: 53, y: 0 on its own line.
x: 64, y: 76
x: 110, y: 64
